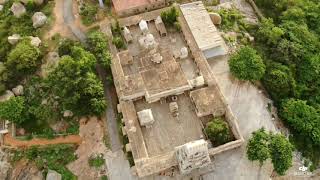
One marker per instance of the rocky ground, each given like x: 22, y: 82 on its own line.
x: 92, y: 133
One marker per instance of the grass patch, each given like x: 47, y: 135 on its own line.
x: 54, y: 157
x: 96, y: 161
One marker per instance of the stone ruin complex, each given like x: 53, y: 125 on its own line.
x: 162, y: 107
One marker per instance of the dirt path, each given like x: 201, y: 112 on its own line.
x: 71, y: 139
x: 58, y: 26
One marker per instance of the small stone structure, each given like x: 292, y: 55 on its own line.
x: 192, y: 155
x: 127, y: 35
x: 147, y: 41
x: 144, y: 26
x: 131, y: 7
x: 18, y: 9
x: 160, y: 26
x: 183, y: 53
x: 216, y: 18
x: 174, y: 109
x: 146, y: 117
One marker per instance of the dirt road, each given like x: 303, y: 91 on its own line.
x: 71, y: 139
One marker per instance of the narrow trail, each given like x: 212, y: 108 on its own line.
x: 15, y: 143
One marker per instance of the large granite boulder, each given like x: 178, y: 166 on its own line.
x: 2, y: 2
x: 18, y: 9
x: 215, y: 18
x: 39, y: 19
x: 38, y: 2
x: 35, y: 41
x: 6, y: 96
x: 53, y: 175
x: 18, y: 91
x: 14, y: 39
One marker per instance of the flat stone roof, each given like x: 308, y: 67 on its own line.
x: 205, y: 33
x: 208, y: 101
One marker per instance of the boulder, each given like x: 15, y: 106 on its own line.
x: 38, y: 2
x: 67, y: 113
x: 18, y: 91
x: 2, y: 2
x: 53, y: 175
x: 7, y: 95
x: 249, y: 37
x: 226, y: 5
x: 35, y: 41
x: 1, y: 7
x: 18, y: 9
x: 14, y: 39
x: 215, y: 18
x: 39, y: 19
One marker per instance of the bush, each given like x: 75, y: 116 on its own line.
x: 66, y: 45
x: 118, y: 42
x: 98, y: 45
x: 96, y: 161
x: 170, y: 16
x: 218, y: 131
x: 279, y: 81
x: 257, y: 148
x: 246, y: 64
x: 23, y: 59
x: 232, y: 20
x: 88, y: 13
x: 281, y: 153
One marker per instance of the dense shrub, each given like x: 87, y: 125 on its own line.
x: 88, y: 13
x: 98, y: 45
x: 218, y: 131
x: 170, y: 17
x: 246, y: 64
x: 257, y: 148
x: 23, y: 59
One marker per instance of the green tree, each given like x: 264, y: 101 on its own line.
x: 13, y: 110
x: 246, y: 64
x: 98, y: 45
x: 218, y: 131
x: 302, y: 118
x: 170, y: 16
x: 279, y: 81
x: 118, y: 42
x: 257, y: 148
x: 65, y: 46
x: 24, y: 58
x: 281, y: 153
x: 269, y: 33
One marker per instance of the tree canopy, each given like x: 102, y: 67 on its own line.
x: 246, y: 64
x: 218, y: 131
x: 13, y: 110
x: 257, y: 148
x: 24, y: 58
x: 263, y: 145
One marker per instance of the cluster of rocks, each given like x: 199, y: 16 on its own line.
x: 18, y: 9
x: 15, y: 38
x: 17, y: 91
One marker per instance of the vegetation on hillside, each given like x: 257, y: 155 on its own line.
x: 289, y: 41
x: 54, y: 157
